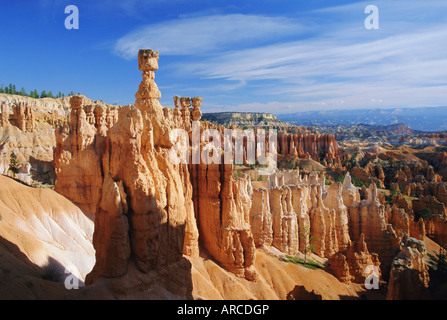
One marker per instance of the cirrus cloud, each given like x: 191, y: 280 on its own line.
x: 200, y: 35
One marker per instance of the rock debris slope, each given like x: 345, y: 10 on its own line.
x: 52, y: 232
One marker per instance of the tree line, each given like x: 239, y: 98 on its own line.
x: 11, y: 89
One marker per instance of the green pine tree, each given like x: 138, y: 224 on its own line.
x: 13, y: 164
x: 308, y: 240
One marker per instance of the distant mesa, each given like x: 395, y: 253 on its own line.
x: 430, y: 119
x: 253, y: 119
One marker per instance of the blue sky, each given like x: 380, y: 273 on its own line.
x: 258, y: 56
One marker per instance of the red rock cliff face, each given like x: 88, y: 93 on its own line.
x: 299, y: 209
x: 77, y: 160
x: 285, y: 223
x: 261, y: 218
x: 23, y: 117
x: 334, y: 202
x: 351, y: 265
x: 409, y: 273
x: 368, y: 217
x: 312, y: 144
x: 223, y: 213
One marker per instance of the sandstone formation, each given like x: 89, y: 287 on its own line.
x: 409, y: 274
x: 77, y: 159
x: 436, y: 228
x: 300, y: 209
x: 223, y: 214
x: 352, y: 265
x: 300, y: 293
x: 308, y: 145
x: 22, y: 117
x: 244, y: 119
x: 53, y: 111
x: 431, y: 203
x: 33, y: 151
x: 334, y: 201
x: 143, y: 206
x: 261, y: 218
x: 368, y: 217
x: 140, y: 196
x: 285, y: 223
x: 350, y: 193
x: 369, y: 174
x: 47, y: 228
x: 4, y: 116
x: 322, y: 222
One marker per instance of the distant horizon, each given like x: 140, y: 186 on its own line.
x: 327, y: 110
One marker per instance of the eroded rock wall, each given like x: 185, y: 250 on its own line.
x: 409, y: 276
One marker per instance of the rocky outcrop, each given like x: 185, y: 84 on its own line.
x: 409, y: 273
x: 354, y: 264
x: 359, y: 259
x: 53, y: 111
x: 285, y: 224
x: 350, y: 193
x: 111, y: 237
x: 77, y: 160
x: 301, y: 203
x: 261, y: 218
x: 338, y: 265
x: 322, y: 224
x: 22, y: 117
x: 301, y: 209
x: 142, y: 189
x: 334, y: 202
x: 368, y: 217
x: 431, y: 203
x: 417, y: 229
x: 400, y: 221
x: 436, y: 228
x: 242, y: 119
x: 223, y: 214
x: 401, y: 202
x: 403, y: 219
x: 4, y: 116
x: 317, y: 146
x: 300, y: 293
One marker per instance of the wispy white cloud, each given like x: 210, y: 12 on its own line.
x: 202, y: 35
x: 285, y: 65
